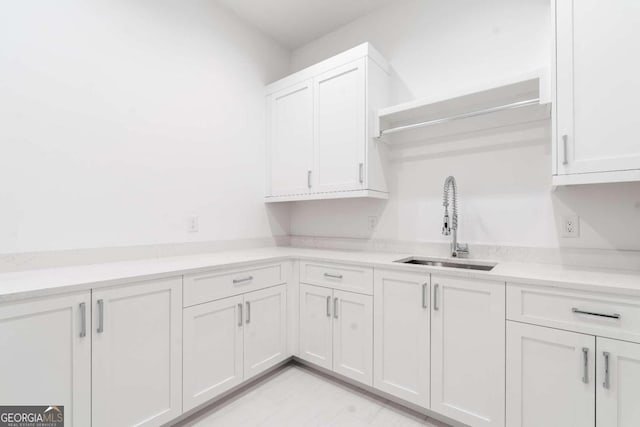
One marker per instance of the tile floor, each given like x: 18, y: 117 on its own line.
x: 298, y: 397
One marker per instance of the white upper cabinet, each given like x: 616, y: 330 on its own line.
x: 598, y: 91
x: 340, y: 128
x: 321, y: 128
x: 291, y: 140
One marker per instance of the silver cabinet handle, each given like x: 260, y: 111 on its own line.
x: 435, y: 296
x: 335, y: 308
x: 593, y: 313
x: 585, y: 365
x: 361, y: 173
x: 333, y: 276
x: 83, y: 320
x: 424, y: 295
x: 242, y: 280
x: 100, y: 304
x: 328, y: 306
x: 606, y: 384
x: 308, y: 179
x: 240, y: 314
x: 565, y: 143
x: 248, y: 312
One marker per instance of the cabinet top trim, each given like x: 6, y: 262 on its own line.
x: 360, y: 51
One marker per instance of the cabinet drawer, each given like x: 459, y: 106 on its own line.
x: 587, y: 312
x: 204, y: 287
x: 338, y: 276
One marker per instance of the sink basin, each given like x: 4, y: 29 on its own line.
x: 450, y: 264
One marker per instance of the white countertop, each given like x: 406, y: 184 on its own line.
x: 35, y: 283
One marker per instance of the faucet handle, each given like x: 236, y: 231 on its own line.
x: 461, y: 250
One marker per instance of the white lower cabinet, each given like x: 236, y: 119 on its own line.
x: 336, y: 331
x: 213, y: 350
x: 230, y: 340
x: 550, y: 377
x: 46, y: 354
x: 316, y: 325
x: 402, y: 335
x: 618, y: 383
x: 353, y: 335
x: 137, y: 354
x: 468, y: 350
x: 265, y: 329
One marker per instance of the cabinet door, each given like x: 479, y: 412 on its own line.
x: 598, y: 90
x: 353, y: 336
x: 137, y: 354
x: 316, y: 326
x: 618, y: 384
x: 265, y: 329
x: 467, y: 342
x: 550, y: 377
x: 212, y: 350
x: 290, y: 152
x: 402, y: 331
x: 340, y: 128
x: 46, y: 355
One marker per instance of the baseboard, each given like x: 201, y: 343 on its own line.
x: 232, y: 394
x: 381, y: 396
x: 193, y: 415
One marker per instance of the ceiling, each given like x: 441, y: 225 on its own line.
x: 294, y: 23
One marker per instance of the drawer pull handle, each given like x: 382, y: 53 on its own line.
x: 244, y: 279
x: 585, y: 358
x: 333, y: 276
x: 593, y: 313
x: 606, y: 383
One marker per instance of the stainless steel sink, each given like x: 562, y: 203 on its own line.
x: 450, y: 264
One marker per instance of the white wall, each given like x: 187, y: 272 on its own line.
x: 119, y: 119
x: 503, y: 175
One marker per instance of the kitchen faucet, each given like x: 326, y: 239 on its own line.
x: 451, y: 226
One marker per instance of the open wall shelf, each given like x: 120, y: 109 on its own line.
x: 510, y: 101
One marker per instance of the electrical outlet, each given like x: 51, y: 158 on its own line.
x: 372, y: 221
x: 571, y: 226
x: 192, y: 224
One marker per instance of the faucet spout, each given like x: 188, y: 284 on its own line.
x: 450, y: 225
